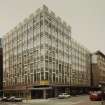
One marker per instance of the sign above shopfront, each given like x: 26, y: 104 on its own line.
x: 44, y: 82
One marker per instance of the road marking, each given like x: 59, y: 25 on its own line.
x: 76, y: 102
x: 70, y: 103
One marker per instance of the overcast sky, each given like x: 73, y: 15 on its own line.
x: 86, y: 17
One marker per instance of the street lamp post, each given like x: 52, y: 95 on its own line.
x: 100, y: 86
x: 102, y: 90
x: 26, y: 93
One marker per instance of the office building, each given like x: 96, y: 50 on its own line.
x: 38, y: 60
x: 81, y: 66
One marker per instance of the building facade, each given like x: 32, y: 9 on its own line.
x: 1, y: 68
x: 98, y: 69
x: 81, y: 66
x: 41, y: 59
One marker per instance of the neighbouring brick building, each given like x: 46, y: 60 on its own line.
x: 98, y: 69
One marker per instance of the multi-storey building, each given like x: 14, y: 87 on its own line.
x: 98, y: 69
x: 1, y: 68
x: 81, y: 65
x: 38, y: 58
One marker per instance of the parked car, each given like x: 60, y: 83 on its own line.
x: 97, y: 95
x: 0, y: 98
x: 63, y: 95
x: 4, y: 99
x: 18, y: 99
x: 11, y: 99
x: 14, y: 99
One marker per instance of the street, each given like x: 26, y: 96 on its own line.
x: 77, y: 100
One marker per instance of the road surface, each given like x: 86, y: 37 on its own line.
x: 77, y: 100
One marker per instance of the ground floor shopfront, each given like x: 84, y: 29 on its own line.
x: 35, y: 92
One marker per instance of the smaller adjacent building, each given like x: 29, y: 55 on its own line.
x: 1, y: 68
x: 98, y: 69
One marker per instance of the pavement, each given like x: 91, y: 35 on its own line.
x: 76, y: 100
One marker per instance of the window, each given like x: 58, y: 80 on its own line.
x: 42, y: 75
x: 46, y: 75
x: 38, y: 76
x: 59, y: 67
x: 53, y: 77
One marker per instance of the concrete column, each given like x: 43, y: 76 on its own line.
x: 55, y: 92
x: 29, y: 95
x: 44, y: 94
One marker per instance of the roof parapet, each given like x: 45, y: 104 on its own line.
x: 45, y: 8
x: 52, y: 14
x: 31, y: 16
x: 38, y: 11
x: 59, y: 19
